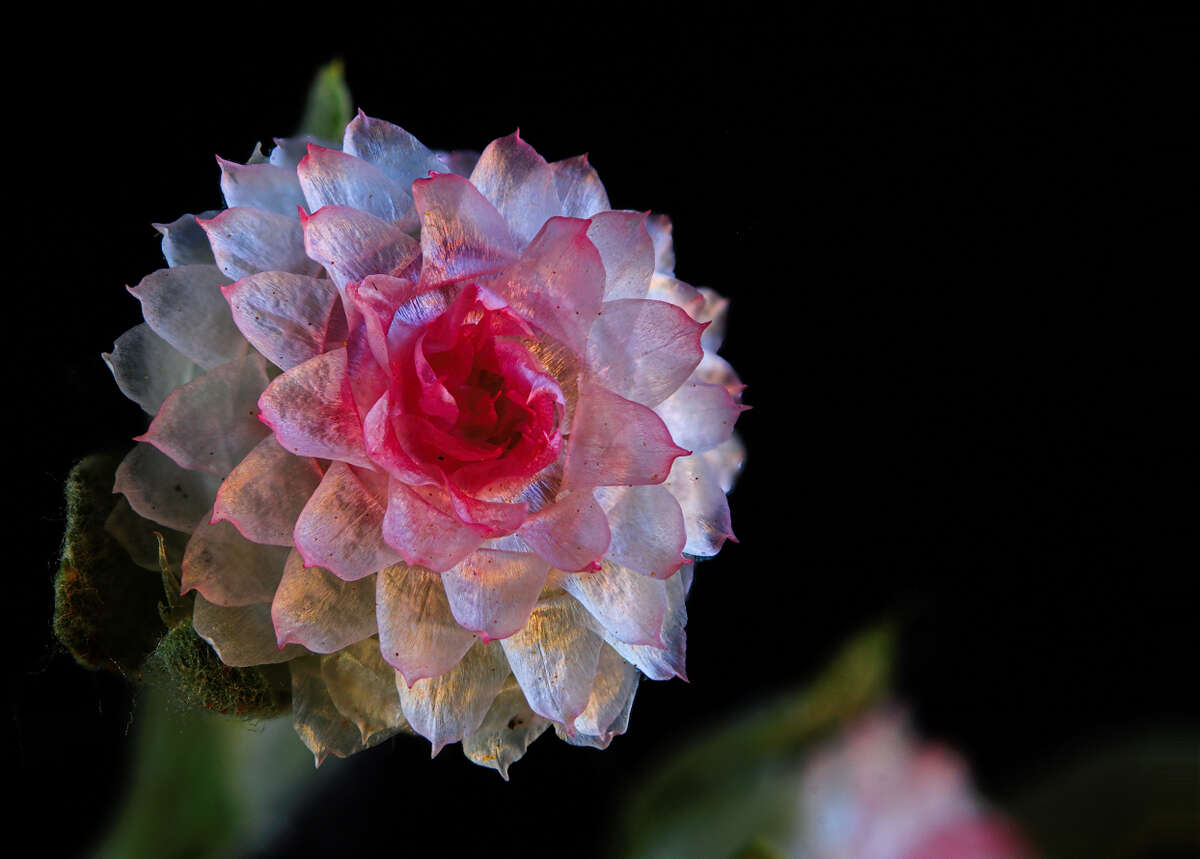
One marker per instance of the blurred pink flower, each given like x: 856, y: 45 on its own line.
x: 876, y: 793
x: 448, y: 421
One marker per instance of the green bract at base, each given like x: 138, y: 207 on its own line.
x: 112, y: 613
x: 201, y: 680
x: 105, y: 606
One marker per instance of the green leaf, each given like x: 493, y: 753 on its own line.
x: 329, y: 107
x: 204, y: 785
x: 736, y: 786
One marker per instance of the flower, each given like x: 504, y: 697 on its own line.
x: 877, y: 792
x: 446, y: 433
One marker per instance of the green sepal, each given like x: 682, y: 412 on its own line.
x: 329, y: 108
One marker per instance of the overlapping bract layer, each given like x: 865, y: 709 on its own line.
x: 446, y: 433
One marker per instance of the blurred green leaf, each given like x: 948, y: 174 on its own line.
x: 734, y: 789
x: 329, y: 107
x: 205, y: 785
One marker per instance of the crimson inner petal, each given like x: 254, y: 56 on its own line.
x: 473, y: 398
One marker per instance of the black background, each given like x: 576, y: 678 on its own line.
x: 959, y: 250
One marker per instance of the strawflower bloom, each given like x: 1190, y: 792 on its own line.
x: 445, y: 431
x: 878, y: 792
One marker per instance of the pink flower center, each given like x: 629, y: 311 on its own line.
x: 470, y: 402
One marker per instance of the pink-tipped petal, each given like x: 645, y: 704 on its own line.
x: 648, y: 533
x: 159, y: 490
x: 572, y: 533
x: 447, y: 708
x: 694, y: 483
x: 228, y: 569
x: 700, y: 416
x: 241, y: 635
x: 643, y: 350
x: 616, y: 442
x: 703, y: 305
x: 375, y: 301
x: 554, y: 659
x: 332, y: 178
x: 489, y: 518
x: 418, y: 525
x: 352, y: 244
x: 558, y: 283
x: 265, y: 493
x: 211, y: 422
x: 341, y: 526
x: 384, y: 448
x: 246, y: 241
x: 289, y: 318
x: 462, y: 234
x: 492, y: 592
x: 581, y: 194
x: 663, y: 663
x: 313, y: 412
x: 185, y: 307
x: 260, y: 186
x: 627, y: 251
x: 630, y: 606
x: 390, y: 149
x: 147, y: 368
x: 418, y: 635
x: 315, y: 608
x: 519, y: 183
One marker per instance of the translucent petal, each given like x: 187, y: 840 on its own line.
x: 418, y: 635
x: 228, y: 569
x: 446, y: 708
x: 648, y: 533
x: 341, y: 526
x: 629, y: 606
x: 211, y: 423
x: 265, y: 493
x: 519, y: 183
x: 363, y: 688
x: 147, y: 368
x: 643, y: 350
x: 627, y: 251
x: 315, y: 608
x: 241, y: 635
x: 185, y: 307
x: 159, y: 490
x: 554, y: 659
x: 492, y: 592
x: 289, y: 318
x: 185, y: 242
x: 506, y: 731
x: 616, y: 442
x: 580, y: 191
